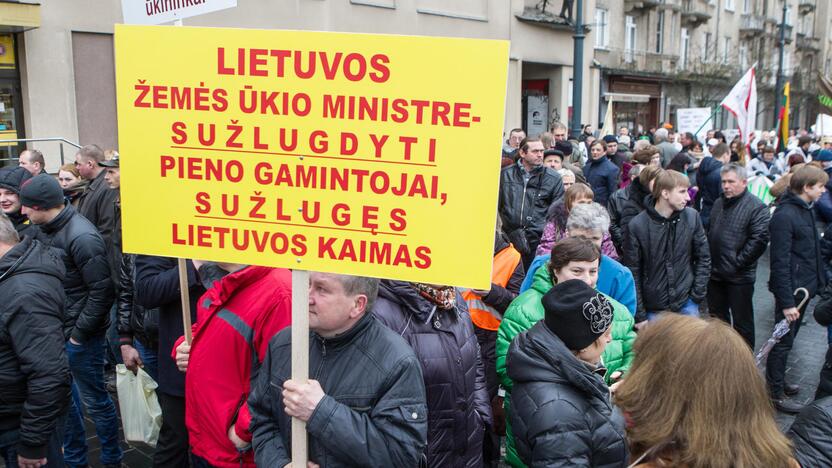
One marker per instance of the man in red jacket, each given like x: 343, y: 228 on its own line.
x: 236, y: 318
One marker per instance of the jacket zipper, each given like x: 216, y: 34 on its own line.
x: 523, y: 203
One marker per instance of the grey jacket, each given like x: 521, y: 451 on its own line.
x: 373, y: 414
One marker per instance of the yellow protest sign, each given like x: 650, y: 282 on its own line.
x: 350, y: 153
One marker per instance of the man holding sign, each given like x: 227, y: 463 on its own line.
x: 364, y: 404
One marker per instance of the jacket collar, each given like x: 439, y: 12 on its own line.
x: 59, y: 221
x: 733, y: 201
x: 541, y: 356
x: 650, y: 206
x: 224, y: 289
x: 339, y: 341
x: 533, y: 172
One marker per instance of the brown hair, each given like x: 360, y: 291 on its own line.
x: 644, y: 155
x: 598, y: 142
x: 795, y: 159
x: 668, y: 180
x: 92, y: 153
x: 547, y: 139
x: 572, y: 249
x: 694, y: 391
x: 720, y: 150
x: 807, y: 176
x: 648, y: 174
x: 524, y: 145
x: 71, y: 169
x: 575, y: 192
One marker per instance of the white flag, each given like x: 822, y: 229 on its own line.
x: 742, y: 102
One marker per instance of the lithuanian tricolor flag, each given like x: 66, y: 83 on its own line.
x: 784, y: 119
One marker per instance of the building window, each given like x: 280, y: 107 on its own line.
x: 729, y: 5
x: 660, y: 32
x: 709, y: 38
x: 746, y: 6
x: 727, y: 50
x: 602, y: 38
x: 629, y: 39
x: 788, y: 15
x: 743, y: 57
x: 683, y: 49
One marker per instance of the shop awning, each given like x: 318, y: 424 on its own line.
x: 17, y: 17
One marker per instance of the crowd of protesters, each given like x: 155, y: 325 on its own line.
x: 590, y: 348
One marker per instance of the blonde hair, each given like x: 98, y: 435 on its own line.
x: 668, y: 180
x: 694, y: 398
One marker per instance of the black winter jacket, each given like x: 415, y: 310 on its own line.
x: 524, y: 204
x: 88, y: 287
x: 96, y: 204
x: 454, y: 378
x: 34, y: 373
x: 602, y: 176
x: 373, y: 413
x: 636, y: 201
x: 823, y: 315
x: 133, y: 320
x: 710, y: 186
x: 157, y: 286
x: 797, y: 260
x: 669, y: 258
x: 22, y: 225
x: 738, y: 236
x: 615, y: 207
x: 810, y: 434
x: 561, y: 413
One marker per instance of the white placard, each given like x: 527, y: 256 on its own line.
x: 150, y: 12
x: 537, y: 115
x: 691, y: 120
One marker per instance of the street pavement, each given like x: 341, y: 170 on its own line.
x: 804, y: 366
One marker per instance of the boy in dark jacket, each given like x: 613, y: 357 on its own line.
x: 34, y: 373
x: 667, y: 251
x: 797, y: 263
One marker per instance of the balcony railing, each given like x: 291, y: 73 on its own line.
x: 693, y: 15
x: 630, y: 5
x: 752, y: 24
x: 808, y: 43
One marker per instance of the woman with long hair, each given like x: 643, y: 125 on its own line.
x: 694, y: 398
x: 558, y: 214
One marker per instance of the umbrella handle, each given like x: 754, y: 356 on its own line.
x: 806, y: 298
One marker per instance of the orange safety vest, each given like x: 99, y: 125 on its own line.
x: 483, y: 315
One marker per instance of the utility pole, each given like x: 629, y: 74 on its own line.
x: 577, y: 69
x: 778, y: 91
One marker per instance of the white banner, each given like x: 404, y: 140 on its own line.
x: 692, y: 120
x: 149, y: 12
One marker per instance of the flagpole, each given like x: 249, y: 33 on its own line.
x: 713, y: 113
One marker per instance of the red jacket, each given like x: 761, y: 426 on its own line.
x: 238, y: 315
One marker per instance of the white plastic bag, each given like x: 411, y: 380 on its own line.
x: 141, y: 415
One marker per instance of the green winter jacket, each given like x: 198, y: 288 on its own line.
x: 527, y: 310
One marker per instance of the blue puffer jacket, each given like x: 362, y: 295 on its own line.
x: 710, y: 187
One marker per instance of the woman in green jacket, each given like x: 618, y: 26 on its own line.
x: 572, y: 258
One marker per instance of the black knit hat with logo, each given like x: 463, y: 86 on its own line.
x: 576, y: 313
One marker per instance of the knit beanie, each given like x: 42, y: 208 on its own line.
x: 610, y: 139
x: 11, y: 178
x: 576, y: 313
x: 41, y: 192
x: 564, y: 147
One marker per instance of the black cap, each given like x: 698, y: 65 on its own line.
x: 41, y: 192
x: 110, y: 162
x: 564, y: 147
x: 12, y: 178
x: 576, y: 313
x: 610, y: 139
x: 553, y: 152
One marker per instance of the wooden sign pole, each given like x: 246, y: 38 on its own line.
x: 186, y: 298
x: 300, y: 357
